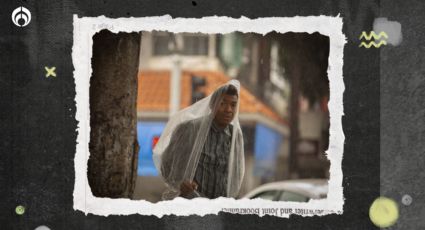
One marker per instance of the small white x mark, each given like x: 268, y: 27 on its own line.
x: 50, y: 71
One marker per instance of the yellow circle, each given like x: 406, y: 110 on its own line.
x: 383, y: 212
x: 20, y: 209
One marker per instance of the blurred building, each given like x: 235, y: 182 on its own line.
x: 257, y: 61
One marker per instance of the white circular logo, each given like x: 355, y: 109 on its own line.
x: 21, y: 16
x: 406, y: 200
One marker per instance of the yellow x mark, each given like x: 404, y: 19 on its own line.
x: 50, y: 71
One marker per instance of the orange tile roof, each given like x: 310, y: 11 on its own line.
x: 154, y: 92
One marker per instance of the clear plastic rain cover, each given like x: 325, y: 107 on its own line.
x: 200, y: 152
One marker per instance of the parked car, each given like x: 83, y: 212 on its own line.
x: 291, y: 190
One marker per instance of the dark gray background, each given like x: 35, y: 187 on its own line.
x: 383, y: 122
x: 403, y: 114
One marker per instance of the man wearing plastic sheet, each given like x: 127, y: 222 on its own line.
x: 200, y: 153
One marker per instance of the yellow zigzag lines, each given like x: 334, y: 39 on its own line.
x: 367, y: 46
x: 372, y: 34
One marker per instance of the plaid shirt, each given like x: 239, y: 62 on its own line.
x: 211, y: 172
x: 212, y: 169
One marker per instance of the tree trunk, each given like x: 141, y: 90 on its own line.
x: 293, y: 48
x: 294, y: 118
x: 112, y: 166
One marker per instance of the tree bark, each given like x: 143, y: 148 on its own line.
x: 293, y: 48
x: 294, y: 119
x: 112, y: 165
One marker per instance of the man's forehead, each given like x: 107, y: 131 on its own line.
x: 230, y: 98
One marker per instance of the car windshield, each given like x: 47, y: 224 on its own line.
x: 290, y: 196
x: 267, y: 195
x: 276, y: 195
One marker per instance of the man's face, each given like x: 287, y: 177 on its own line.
x: 226, y: 110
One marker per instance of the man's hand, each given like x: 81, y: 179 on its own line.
x: 188, y: 187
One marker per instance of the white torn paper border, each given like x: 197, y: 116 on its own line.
x: 86, y: 27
